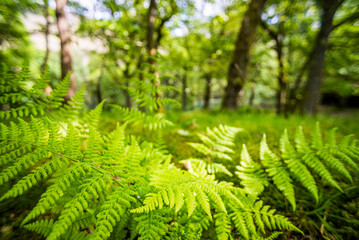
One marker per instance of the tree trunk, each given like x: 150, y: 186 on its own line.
x: 98, y: 92
x: 47, y: 28
x: 184, y: 90
x: 253, y: 94
x: 312, y: 87
x: 152, y: 47
x: 282, y: 81
x: 237, y: 72
x: 278, y: 37
x: 151, y: 29
x: 127, y: 77
x: 207, y: 93
x: 65, y: 41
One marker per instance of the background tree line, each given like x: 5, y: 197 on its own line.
x: 267, y: 53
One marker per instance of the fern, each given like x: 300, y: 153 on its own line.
x: 251, y: 174
x: 138, y: 118
x: 255, y: 219
x: 277, y: 171
x: 104, y: 186
x: 327, y: 160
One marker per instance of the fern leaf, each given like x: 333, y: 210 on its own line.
x: 43, y: 227
x: 251, y: 175
x: 296, y: 167
x: 223, y: 225
x: 111, y: 212
x: 311, y: 160
x: 277, y: 171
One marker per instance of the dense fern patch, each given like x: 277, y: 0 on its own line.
x: 118, y: 186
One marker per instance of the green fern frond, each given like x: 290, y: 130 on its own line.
x: 135, y: 117
x: 311, y: 160
x: 256, y: 218
x: 295, y: 165
x: 71, y: 110
x: 57, y: 190
x: 91, y: 189
x: 277, y: 171
x: 218, y: 144
x: 251, y: 175
x: 93, y: 117
x: 223, y: 225
x: 116, y: 204
x: 152, y: 225
x: 43, y: 227
x: 175, y: 188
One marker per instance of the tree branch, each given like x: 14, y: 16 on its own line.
x: 349, y: 18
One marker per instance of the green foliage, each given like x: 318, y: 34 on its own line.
x: 304, y: 163
x: 105, y: 186
x: 138, y: 118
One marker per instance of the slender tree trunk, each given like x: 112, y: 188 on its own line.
x: 281, y: 95
x: 65, y: 41
x: 47, y: 28
x: 152, y: 47
x: 207, y: 93
x: 98, y: 92
x: 312, y: 87
x: 127, y: 77
x: 253, y: 94
x: 282, y: 81
x: 237, y: 72
x: 151, y: 29
x: 184, y: 90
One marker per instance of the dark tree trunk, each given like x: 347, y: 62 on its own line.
x: 127, y: 77
x: 152, y: 47
x: 312, y: 87
x: 281, y: 95
x: 282, y: 82
x: 47, y: 28
x: 207, y: 93
x: 65, y: 41
x: 184, y: 93
x: 151, y: 29
x: 237, y: 72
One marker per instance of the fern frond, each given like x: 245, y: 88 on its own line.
x: 152, y: 225
x: 223, y: 225
x: 311, y: 160
x: 71, y: 110
x: 251, y: 175
x: 218, y: 143
x: 116, y: 204
x: 43, y: 227
x: 295, y: 165
x: 91, y: 189
x: 199, y: 166
x: 57, y: 190
x: 135, y: 117
x: 256, y: 217
x: 175, y: 186
x: 277, y: 171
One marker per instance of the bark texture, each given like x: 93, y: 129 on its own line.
x: 237, y: 72
x: 311, y: 94
x: 66, y: 49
